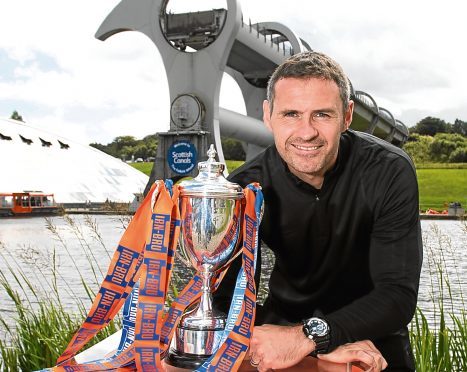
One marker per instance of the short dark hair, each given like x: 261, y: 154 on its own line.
x: 308, y: 65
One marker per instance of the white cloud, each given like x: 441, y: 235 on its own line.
x: 408, y: 55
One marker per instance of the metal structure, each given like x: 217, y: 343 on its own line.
x: 219, y: 42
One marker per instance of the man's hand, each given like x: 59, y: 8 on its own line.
x: 275, y: 347
x: 364, y: 353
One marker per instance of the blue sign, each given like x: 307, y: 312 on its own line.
x: 181, y: 157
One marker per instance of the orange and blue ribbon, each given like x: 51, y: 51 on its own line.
x: 138, y: 278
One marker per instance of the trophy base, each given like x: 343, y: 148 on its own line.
x: 192, y: 347
x: 187, y: 361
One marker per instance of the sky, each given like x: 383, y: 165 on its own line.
x: 409, y: 55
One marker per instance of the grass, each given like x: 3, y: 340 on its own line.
x: 441, y: 165
x: 41, y: 334
x: 146, y: 167
x: 233, y: 164
x: 439, y: 187
x: 439, y: 183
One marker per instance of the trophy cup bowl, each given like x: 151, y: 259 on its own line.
x: 210, y: 229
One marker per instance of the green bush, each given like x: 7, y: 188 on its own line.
x: 418, y: 148
x: 443, y: 147
x: 440, y: 150
x: 459, y: 155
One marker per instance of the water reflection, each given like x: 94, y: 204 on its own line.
x: 67, y: 250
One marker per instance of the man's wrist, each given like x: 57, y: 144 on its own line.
x: 317, y: 330
x: 308, y: 345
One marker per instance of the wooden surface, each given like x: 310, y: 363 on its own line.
x: 308, y: 364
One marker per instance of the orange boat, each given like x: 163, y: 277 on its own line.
x: 27, y: 203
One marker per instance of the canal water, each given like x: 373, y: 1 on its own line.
x: 63, y: 251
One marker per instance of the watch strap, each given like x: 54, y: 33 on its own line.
x: 322, y: 345
x: 321, y: 341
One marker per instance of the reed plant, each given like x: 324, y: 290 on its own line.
x: 41, y: 332
x: 441, y: 345
x: 39, y: 327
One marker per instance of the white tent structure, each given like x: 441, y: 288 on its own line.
x: 35, y: 160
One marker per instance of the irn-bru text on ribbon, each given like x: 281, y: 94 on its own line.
x: 230, y: 355
x: 158, y: 233
x: 245, y: 325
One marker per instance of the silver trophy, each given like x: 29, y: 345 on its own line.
x: 210, y: 214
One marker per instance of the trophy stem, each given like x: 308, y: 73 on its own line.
x: 205, y: 304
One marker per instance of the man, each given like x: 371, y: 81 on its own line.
x: 341, y: 217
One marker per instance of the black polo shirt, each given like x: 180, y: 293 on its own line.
x: 350, y: 252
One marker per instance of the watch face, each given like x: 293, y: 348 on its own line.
x: 318, y: 327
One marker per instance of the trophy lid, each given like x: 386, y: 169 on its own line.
x: 210, y: 181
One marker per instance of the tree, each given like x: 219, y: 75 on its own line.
x: 99, y: 146
x: 124, y: 147
x: 127, y: 152
x: 459, y: 155
x: 151, y: 141
x: 123, y: 141
x: 141, y: 151
x: 418, y: 148
x: 443, y: 147
x: 448, y: 147
x: 233, y: 149
x: 429, y: 126
x: 459, y: 127
x: 16, y: 116
x: 151, y: 138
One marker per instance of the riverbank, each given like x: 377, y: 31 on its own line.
x: 442, y: 217
x: 423, y: 216
x: 85, y: 210
x: 99, y: 212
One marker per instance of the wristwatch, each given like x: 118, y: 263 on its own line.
x: 318, y: 330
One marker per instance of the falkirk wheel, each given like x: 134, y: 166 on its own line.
x: 196, y: 49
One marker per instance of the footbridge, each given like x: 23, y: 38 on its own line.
x: 197, y: 48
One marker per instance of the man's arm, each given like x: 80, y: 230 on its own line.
x: 394, y: 262
x: 363, y: 353
x: 278, y: 347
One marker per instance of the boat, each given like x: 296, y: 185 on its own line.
x: 27, y: 203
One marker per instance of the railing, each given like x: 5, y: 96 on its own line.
x: 367, y: 100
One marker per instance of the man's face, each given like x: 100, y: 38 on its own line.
x: 306, y: 122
